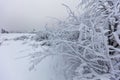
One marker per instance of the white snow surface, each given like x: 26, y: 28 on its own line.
x: 13, y: 67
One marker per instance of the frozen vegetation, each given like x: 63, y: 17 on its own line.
x: 15, y: 49
x: 87, y: 42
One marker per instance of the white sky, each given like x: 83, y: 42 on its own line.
x: 29, y: 14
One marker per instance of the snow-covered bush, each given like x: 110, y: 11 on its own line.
x: 89, y: 41
x: 24, y: 37
x: 41, y: 35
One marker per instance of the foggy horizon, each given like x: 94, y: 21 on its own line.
x: 24, y: 15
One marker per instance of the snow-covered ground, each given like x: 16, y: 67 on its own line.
x: 15, y: 61
x: 13, y: 67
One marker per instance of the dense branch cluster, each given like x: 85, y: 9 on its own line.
x: 90, y: 41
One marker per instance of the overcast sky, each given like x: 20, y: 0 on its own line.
x: 24, y: 15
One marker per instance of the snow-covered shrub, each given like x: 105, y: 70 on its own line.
x: 89, y: 41
x: 41, y: 35
x: 24, y: 37
x: 67, y: 35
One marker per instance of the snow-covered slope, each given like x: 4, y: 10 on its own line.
x: 15, y: 63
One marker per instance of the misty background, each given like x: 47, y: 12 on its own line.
x: 26, y: 15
